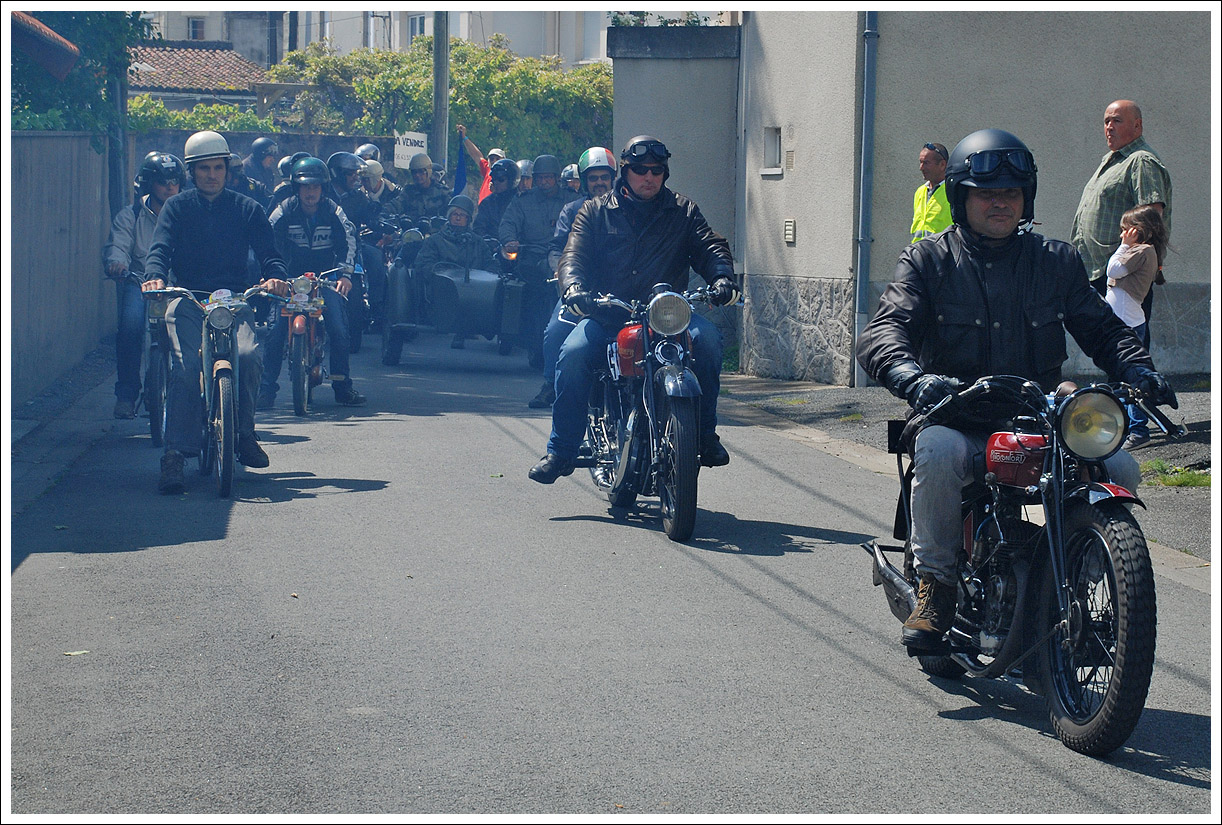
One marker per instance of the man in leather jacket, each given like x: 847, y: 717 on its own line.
x: 455, y: 244
x: 639, y: 234
x: 985, y: 297
x: 346, y: 191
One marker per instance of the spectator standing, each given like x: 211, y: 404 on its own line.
x: 930, y: 211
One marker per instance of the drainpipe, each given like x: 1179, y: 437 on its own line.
x: 865, y: 192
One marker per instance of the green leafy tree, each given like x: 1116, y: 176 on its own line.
x: 145, y: 113
x: 529, y: 106
x: 82, y: 102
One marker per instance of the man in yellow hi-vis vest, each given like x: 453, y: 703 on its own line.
x: 930, y: 211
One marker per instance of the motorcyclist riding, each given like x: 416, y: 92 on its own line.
x: 202, y: 240
x: 313, y: 235
x: 504, y: 181
x: 161, y: 176
x: 423, y: 197
x: 346, y: 191
x: 986, y: 297
x: 261, y: 161
x: 622, y: 243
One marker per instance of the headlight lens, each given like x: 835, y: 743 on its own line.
x: 302, y: 285
x: 1092, y: 424
x: 669, y: 313
x: 220, y: 318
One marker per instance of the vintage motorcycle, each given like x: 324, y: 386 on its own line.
x: 642, y: 435
x: 219, y: 377
x: 155, y: 356
x: 307, y: 335
x: 1055, y: 581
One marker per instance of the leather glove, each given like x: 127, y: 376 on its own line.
x: 1154, y: 387
x: 578, y: 301
x: 930, y: 388
x: 724, y: 292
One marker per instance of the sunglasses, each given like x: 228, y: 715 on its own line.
x: 939, y: 151
x: 595, y: 177
x: 642, y: 168
x: 988, y: 164
x: 651, y: 147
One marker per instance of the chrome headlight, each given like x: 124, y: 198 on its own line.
x: 1092, y: 424
x: 669, y: 313
x: 303, y: 285
x: 220, y: 318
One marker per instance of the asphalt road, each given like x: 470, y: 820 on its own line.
x: 393, y: 619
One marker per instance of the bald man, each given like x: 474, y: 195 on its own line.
x: 1130, y: 174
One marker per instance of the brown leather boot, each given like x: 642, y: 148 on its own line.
x: 933, y: 616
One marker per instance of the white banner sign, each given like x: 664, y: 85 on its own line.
x: 408, y: 144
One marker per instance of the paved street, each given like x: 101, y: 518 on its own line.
x: 393, y: 618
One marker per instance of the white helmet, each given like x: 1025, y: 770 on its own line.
x: 205, y: 146
x: 372, y: 169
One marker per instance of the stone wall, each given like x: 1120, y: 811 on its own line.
x: 798, y: 328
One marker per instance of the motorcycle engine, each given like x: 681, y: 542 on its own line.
x: 998, y: 613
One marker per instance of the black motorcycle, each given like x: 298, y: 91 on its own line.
x: 1055, y: 584
x: 642, y: 436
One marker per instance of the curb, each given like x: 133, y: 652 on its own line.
x: 1183, y: 568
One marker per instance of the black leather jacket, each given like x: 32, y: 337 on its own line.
x: 963, y: 309
x: 624, y: 247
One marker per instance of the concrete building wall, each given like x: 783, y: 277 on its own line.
x: 61, y: 306
x: 941, y: 75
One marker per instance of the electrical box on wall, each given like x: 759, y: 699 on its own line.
x: 791, y: 230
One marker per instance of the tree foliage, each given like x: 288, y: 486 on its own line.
x: 82, y: 101
x: 145, y: 113
x: 528, y: 106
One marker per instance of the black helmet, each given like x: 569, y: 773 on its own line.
x: 644, y: 148
x: 160, y: 167
x: 990, y: 159
x: 368, y: 151
x: 310, y: 170
x: 341, y: 163
x: 526, y: 169
x: 460, y: 202
x: 285, y: 167
x: 262, y: 147
x: 547, y: 165
x: 505, y: 169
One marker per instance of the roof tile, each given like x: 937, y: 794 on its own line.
x: 194, y: 66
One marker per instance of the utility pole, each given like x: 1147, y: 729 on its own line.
x: 441, y: 87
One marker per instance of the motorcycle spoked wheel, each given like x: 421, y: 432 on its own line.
x: 224, y: 431
x: 156, y: 377
x: 1096, y: 676
x: 299, y: 371
x: 679, y: 469
x: 605, y: 440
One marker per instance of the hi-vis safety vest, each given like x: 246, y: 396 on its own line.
x: 930, y: 214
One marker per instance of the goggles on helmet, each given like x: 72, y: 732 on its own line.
x: 987, y: 164
x: 648, y: 147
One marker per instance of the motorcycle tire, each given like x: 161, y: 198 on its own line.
x: 504, y: 347
x: 679, y: 470
x: 156, y: 377
x: 299, y: 371
x: 1096, y: 677
x: 224, y: 428
x: 392, y: 346
x: 357, y: 322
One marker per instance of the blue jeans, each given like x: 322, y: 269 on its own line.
x: 184, y: 324
x: 335, y: 321
x: 129, y: 339
x: 1139, y: 422
x: 558, y: 328
x: 586, y: 347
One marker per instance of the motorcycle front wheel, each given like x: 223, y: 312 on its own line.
x: 1096, y: 666
x: 680, y: 467
x: 224, y: 429
x: 155, y: 379
x: 299, y: 370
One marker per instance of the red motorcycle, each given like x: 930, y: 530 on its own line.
x: 307, y: 343
x: 1055, y: 582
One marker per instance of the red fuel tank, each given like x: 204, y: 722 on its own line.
x: 1017, y: 459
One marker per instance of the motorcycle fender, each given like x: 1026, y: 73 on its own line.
x: 1097, y: 491
x: 677, y: 381
x: 220, y: 365
x: 299, y: 324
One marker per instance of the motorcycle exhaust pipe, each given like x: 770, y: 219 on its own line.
x: 901, y: 596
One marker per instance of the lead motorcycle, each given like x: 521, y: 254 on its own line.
x: 642, y: 432
x: 1055, y: 583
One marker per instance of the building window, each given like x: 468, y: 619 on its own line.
x: 772, y: 151
x: 415, y: 28
x: 195, y: 28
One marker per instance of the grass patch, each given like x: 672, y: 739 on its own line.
x: 1158, y: 471
x: 788, y: 402
x: 852, y: 417
x: 729, y: 359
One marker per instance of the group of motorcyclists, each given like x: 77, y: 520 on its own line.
x: 986, y: 296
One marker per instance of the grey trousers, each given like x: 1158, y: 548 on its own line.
x: 942, y: 467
